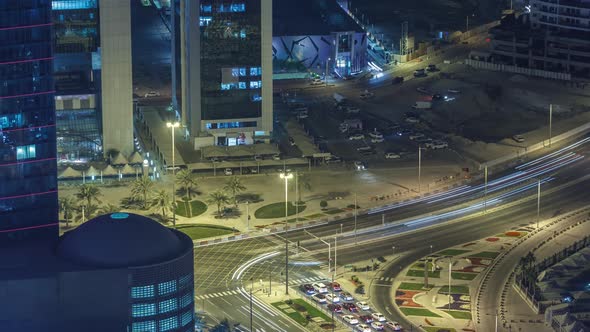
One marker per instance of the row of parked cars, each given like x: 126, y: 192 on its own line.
x: 357, y: 314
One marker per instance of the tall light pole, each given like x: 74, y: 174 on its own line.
x: 485, y: 190
x: 355, y: 213
x: 251, y: 316
x: 538, y: 201
x: 173, y: 125
x: 450, y: 269
x: 420, y: 169
x: 326, y: 77
x: 550, y: 122
x: 286, y: 176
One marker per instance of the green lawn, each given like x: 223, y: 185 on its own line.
x: 437, y: 329
x: 459, y: 314
x: 295, y: 315
x: 420, y: 266
x: 197, y: 208
x: 452, y: 252
x: 201, y: 231
x: 486, y: 254
x: 412, y: 286
x: 311, y: 310
x: 417, y: 312
x: 276, y: 210
x: 459, y: 289
x: 315, y: 216
x: 334, y: 211
x: 463, y: 275
x: 420, y: 273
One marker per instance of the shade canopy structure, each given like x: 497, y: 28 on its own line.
x: 70, y: 173
x: 119, y: 160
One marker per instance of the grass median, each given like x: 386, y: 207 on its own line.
x: 417, y: 312
x: 202, y: 231
x: 277, y: 210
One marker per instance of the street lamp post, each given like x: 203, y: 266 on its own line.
x: 251, y: 316
x: 248, y: 214
x: 550, y: 122
x: 485, y: 190
x: 286, y: 176
x: 538, y: 201
x: 326, y: 77
x: 420, y: 169
x: 172, y: 126
x: 355, y: 214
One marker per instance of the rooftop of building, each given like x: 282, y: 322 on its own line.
x: 310, y: 17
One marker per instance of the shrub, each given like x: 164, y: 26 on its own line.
x: 323, y: 204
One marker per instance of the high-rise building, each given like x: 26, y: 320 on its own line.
x: 552, y: 36
x: 28, y: 175
x: 222, y: 70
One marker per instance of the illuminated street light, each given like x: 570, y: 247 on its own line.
x: 286, y: 176
x: 172, y: 126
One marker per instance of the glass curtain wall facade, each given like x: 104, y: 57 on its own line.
x: 28, y: 172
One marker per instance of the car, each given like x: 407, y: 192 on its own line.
x: 420, y: 73
x: 412, y: 120
x: 437, y: 96
x: 337, y: 308
x: 356, y: 137
x: 397, y: 80
x: 152, y: 94
x: 302, y: 115
x: 360, y: 166
x: 335, y: 286
x: 320, y: 287
x: 518, y: 138
x: 368, y: 152
x: 346, y: 296
x: 350, y: 307
x: 375, y: 134
x: 363, y: 305
x: 317, y: 83
x: 307, y: 289
x: 435, y: 145
x: 404, y: 132
x: 415, y: 136
x: 378, y: 316
x: 394, y: 326
x: 332, y: 298
x: 363, y: 328
x: 378, y: 326
x: 352, y: 110
x: 253, y: 170
x: 423, y: 90
x: 350, y: 319
x: 276, y: 157
x: 431, y: 68
x: 319, y: 298
x: 291, y: 141
x: 377, y: 140
x: 228, y: 171
x: 333, y: 160
x: 366, y: 95
x: 454, y: 90
x: 423, y: 140
x: 366, y: 319
x: 392, y: 155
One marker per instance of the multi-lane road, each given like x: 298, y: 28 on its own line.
x: 411, y: 227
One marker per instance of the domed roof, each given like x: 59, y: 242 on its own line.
x: 120, y: 240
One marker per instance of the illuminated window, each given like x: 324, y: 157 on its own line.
x: 243, y: 34
x: 256, y: 97
x: 72, y: 4
x: 167, y: 306
x: 205, y: 20
x: 206, y: 8
x: 229, y: 86
x: 25, y: 152
x: 167, y: 287
x: 142, y: 292
x: 186, y: 300
x: 255, y: 71
x: 187, y: 280
x: 242, y: 85
x: 147, y: 326
x: 169, y: 323
x: 186, y: 318
x: 143, y: 309
x: 243, y: 71
x: 255, y: 84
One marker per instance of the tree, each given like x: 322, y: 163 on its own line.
x: 108, y: 209
x: 141, y: 189
x: 303, y: 181
x: 67, y: 206
x: 186, y: 180
x: 234, y: 186
x: 89, y: 193
x: 323, y: 204
x: 161, y: 200
x: 219, y: 198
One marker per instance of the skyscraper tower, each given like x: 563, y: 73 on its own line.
x: 28, y: 177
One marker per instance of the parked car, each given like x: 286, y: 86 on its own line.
x: 420, y: 73
x: 253, y: 170
x: 353, y: 110
x: 337, y: 308
x: 356, y: 137
x: 423, y: 90
x: 228, y: 171
x: 276, y: 157
x: 152, y: 94
x: 319, y: 298
x: 378, y: 316
x: 415, y: 136
x: 378, y: 326
x: 346, y: 296
x: 437, y: 145
x: 307, y: 289
x: 363, y: 305
x: 432, y: 68
x: 377, y: 140
x: 392, y: 155
x: 518, y: 138
x: 397, y: 80
x: 412, y: 120
x: 394, y: 326
x: 319, y: 82
x: 350, y: 319
x: 375, y: 134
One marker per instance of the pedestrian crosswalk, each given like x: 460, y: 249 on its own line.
x: 214, y: 295
x: 304, y: 280
x: 387, y: 279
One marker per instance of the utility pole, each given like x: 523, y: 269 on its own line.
x: 419, y: 170
x: 355, y: 213
x: 538, y: 201
x: 248, y: 214
x: 485, y: 190
x: 550, y: 122
x: 251, y: 316
x: 467, y: 23
x: 450, y: 269
x: 326, y: 77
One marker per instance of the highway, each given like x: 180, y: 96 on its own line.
x: 215, y: 265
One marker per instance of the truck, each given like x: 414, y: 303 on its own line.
x: 338, y: 98
x: 422, y: 105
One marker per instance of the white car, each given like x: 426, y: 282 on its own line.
x: 319, y: 298
x: 377, y: 326
x: 346, y: 296
x: 415, y: 136
x: 454, y: 90
x: 375, y: 134
x: 350, y: 319
x: 356, y: 137
x: 412, y: 120
x: 363, y: 305
x: 378, y: 316
x: 276, y: 157
x: 377, y: 140
x: 314, y: 82
x: 394, y: 326
x: 518, y: 138
x: 359, y: 165
x: 435, y: 145
x: 228, y: 171
x: 363, y: 328
x: 320, y: 288
x: 332, y: 298
x: 391, y: 155
x: 152, y: 94
x: 353, y: 110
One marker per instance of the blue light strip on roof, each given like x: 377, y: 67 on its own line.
x: 73, y: 4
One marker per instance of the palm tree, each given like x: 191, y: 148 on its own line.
x: 219, y: 198
x: 234, y: 186
x: 108, y: 209
x: 186, y: 181
x: 67, y: 206
x: 141, y: 189
x: 89, y: 193
x: 161, y: 200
